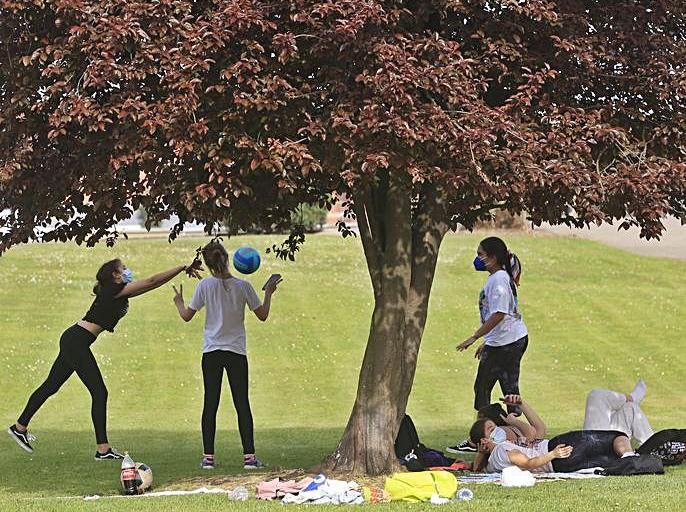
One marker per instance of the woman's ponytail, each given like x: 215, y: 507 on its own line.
x: 494, y: 246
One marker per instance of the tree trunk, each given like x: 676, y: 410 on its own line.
x: 401, y: 249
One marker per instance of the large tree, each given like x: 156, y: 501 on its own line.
x: 423, y: 114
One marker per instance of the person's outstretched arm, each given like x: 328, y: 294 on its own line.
x: 155, y: 281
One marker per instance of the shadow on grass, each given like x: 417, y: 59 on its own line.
x: 62, y: 463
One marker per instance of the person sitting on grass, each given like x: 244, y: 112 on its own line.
x: 114, y: 287
x: 566, y: 453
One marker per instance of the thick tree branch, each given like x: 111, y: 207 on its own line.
x: 370, y: 245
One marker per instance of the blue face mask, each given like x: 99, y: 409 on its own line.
x: 479, y: 264
x: 498, y: 436
x: 127, y: 275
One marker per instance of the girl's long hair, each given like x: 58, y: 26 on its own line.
x: 104, y: 275
x: 216, y: 258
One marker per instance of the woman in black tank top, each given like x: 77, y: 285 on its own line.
x: 112, y: 291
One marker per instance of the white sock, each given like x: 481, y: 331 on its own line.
x: 629, y: 454
x: 639, y: 391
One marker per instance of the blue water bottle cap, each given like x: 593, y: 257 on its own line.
x: 465, y: 494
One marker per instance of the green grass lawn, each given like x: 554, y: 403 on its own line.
x: 596, y: 317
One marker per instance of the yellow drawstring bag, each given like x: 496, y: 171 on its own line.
x: 421, y: 485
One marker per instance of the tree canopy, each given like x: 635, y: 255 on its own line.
x: 210, y: 109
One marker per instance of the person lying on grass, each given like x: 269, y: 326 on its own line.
x: 566, y: 453
x: 605, y: 410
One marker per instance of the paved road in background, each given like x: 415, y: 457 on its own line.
x: 671, y: 245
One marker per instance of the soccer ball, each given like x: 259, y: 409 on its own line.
x: 143, y: 477
x: 246, y: 260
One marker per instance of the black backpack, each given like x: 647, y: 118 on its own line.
x: 407, y: 438
x: 412, y: 453
x: 667, y: 445
x: 643, y: 464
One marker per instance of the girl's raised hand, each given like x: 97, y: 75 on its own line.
x: 178, y: 294
x: 271, y: 285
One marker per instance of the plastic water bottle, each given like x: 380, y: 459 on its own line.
x: 240, y: 493
x: 128, y: 475
x: 464, y: 494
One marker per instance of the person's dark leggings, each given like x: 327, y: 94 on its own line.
x: 236, y: 366
x: 499, y: 364
x: 591, y: 449
x: 75, y: 356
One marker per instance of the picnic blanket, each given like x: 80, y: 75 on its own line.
x: 495, y: 478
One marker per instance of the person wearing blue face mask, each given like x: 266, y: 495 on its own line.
x: 568, y: 452
x: 115, y: 285
x: 504, y: 332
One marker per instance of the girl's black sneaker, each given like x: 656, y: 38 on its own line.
x: 463, y: 447
x: 109, y: 455
x: 22, y: 438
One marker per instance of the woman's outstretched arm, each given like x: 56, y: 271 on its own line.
x: 155, y: 281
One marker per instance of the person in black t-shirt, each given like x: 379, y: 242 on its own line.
x: 114, y: 287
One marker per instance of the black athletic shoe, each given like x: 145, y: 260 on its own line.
x: 22, y: 438
x: 464, y: 447
x: 109, y: 455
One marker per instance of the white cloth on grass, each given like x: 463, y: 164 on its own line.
x: 609, y: 410
x: 497, y: 296
x: 495, y: 478
x: 331, y: 492
x: 225, y: 300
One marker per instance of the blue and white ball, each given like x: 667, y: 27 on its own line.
x: 246, y: 260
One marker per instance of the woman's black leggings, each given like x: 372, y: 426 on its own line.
x: 591, y: 449
x: 236, y: 365
x: 499, y: 364
x: 75, y: 356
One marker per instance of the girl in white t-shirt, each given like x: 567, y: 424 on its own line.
x: 505, y: 335
x: 224, y: 345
